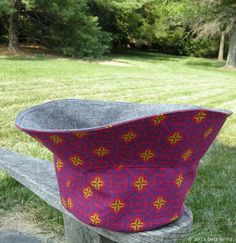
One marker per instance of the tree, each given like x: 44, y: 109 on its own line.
x: 124, y: 19
x: 171, y: 26
x: 212, y: 30
x: 144, y: 23
x: 66, y: 26
x: 150, y: 24
x: 14, y: 25
x: 231, y: 58
x: 4, y: 20
x: 222, y: 45
x: 218, y: 17
x: 86, y: 27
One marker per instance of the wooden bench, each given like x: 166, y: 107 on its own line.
x: 39, y: 176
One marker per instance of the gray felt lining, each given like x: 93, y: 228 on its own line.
x: 71, y: 114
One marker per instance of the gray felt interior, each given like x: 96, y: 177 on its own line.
x: 70, y: 114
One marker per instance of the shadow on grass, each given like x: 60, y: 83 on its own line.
x: 133, y: 55
x: 39, y: 57
x: 126, y: 56
x: 148, y: 56
x: 190, y: 61
x: 205, y: 63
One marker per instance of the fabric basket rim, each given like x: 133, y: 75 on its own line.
x: 47, y: 105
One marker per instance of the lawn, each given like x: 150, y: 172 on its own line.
x: 134, y: 77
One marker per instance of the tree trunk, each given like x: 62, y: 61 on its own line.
x: 222, y: 45
x: 14, y: 26
x: 231, y: 59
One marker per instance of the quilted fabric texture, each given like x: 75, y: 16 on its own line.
x: 121, y: 166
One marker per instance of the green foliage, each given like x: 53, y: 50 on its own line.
x: 151, y: 24
x: 63, y: 25
x: 4, y: 6
x: 170, y: 27
x: 67, y: 27
x: 4, y: 9
x: 123, y: 19
x: 201, y: 48
x: 213, y: 17
x: 88, y: 28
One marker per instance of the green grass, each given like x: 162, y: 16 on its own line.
x: 146, y: 78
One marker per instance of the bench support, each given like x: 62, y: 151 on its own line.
x: 77, y: 233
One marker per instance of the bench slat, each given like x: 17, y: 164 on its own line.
x: 39, y: 176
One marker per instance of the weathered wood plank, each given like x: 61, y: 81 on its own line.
x: 39, y: 176
x: 77, y: 233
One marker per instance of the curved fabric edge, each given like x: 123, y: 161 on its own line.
x: 24, y: 113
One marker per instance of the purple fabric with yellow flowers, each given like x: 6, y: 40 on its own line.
x: 131, y: 175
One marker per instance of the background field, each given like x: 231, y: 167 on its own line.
x: 136, y: 77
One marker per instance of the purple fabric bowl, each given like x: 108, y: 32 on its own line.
x: 123, y: 166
